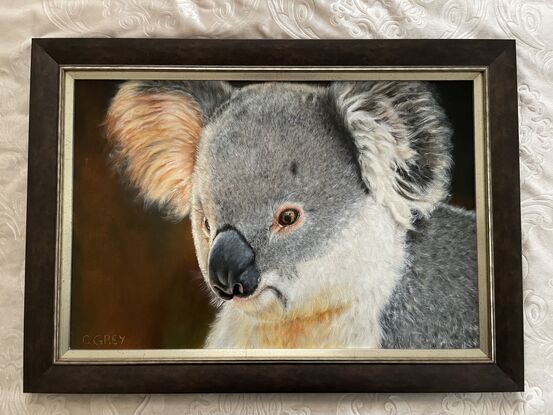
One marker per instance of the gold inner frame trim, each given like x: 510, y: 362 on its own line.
x: 63, y: 354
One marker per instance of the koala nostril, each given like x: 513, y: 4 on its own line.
x: 238, y: 289
x: 222, y: 293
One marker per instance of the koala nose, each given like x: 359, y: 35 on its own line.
x: 231, y: 264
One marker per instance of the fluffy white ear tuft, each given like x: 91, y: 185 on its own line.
x: 403, y: 143
x: 155, y: 128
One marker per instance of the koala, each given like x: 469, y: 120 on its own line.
x: 318, y: 212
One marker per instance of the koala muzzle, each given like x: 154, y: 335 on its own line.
x: 231, y: 264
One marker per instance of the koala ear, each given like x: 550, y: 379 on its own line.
x: 155, y: 127
x: 402, y: 140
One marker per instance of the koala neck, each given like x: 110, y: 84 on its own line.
x: 336, y: 299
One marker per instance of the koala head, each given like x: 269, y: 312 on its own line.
x: 272, y: 175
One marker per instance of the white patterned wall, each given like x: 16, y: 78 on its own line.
x: 529, y: 21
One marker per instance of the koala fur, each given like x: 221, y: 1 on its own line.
x: 376, y: 258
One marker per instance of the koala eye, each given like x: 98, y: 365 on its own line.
x: 288, y: 217
x: 207, y: 228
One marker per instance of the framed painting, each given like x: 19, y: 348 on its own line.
x: 273, y: 216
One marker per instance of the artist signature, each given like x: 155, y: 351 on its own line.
x: 103, y: 339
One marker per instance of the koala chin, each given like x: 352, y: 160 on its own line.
x: 318, y: 212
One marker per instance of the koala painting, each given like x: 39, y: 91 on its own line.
x: 318, y: 211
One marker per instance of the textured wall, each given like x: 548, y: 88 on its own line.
x: 529, y: 21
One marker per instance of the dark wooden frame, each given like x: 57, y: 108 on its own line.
x: 42, y: 375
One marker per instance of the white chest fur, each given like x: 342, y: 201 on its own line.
x: 335, y: 300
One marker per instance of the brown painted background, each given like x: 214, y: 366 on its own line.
x: 134, y: 274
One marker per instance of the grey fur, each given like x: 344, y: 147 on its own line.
x: 209, y: 95
x: 435, y: 305
x: 246, y: 174
x: 405, y: 117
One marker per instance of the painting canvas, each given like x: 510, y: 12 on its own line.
x: 282, y: 215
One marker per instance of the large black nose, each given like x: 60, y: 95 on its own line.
x: 231, y: 264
